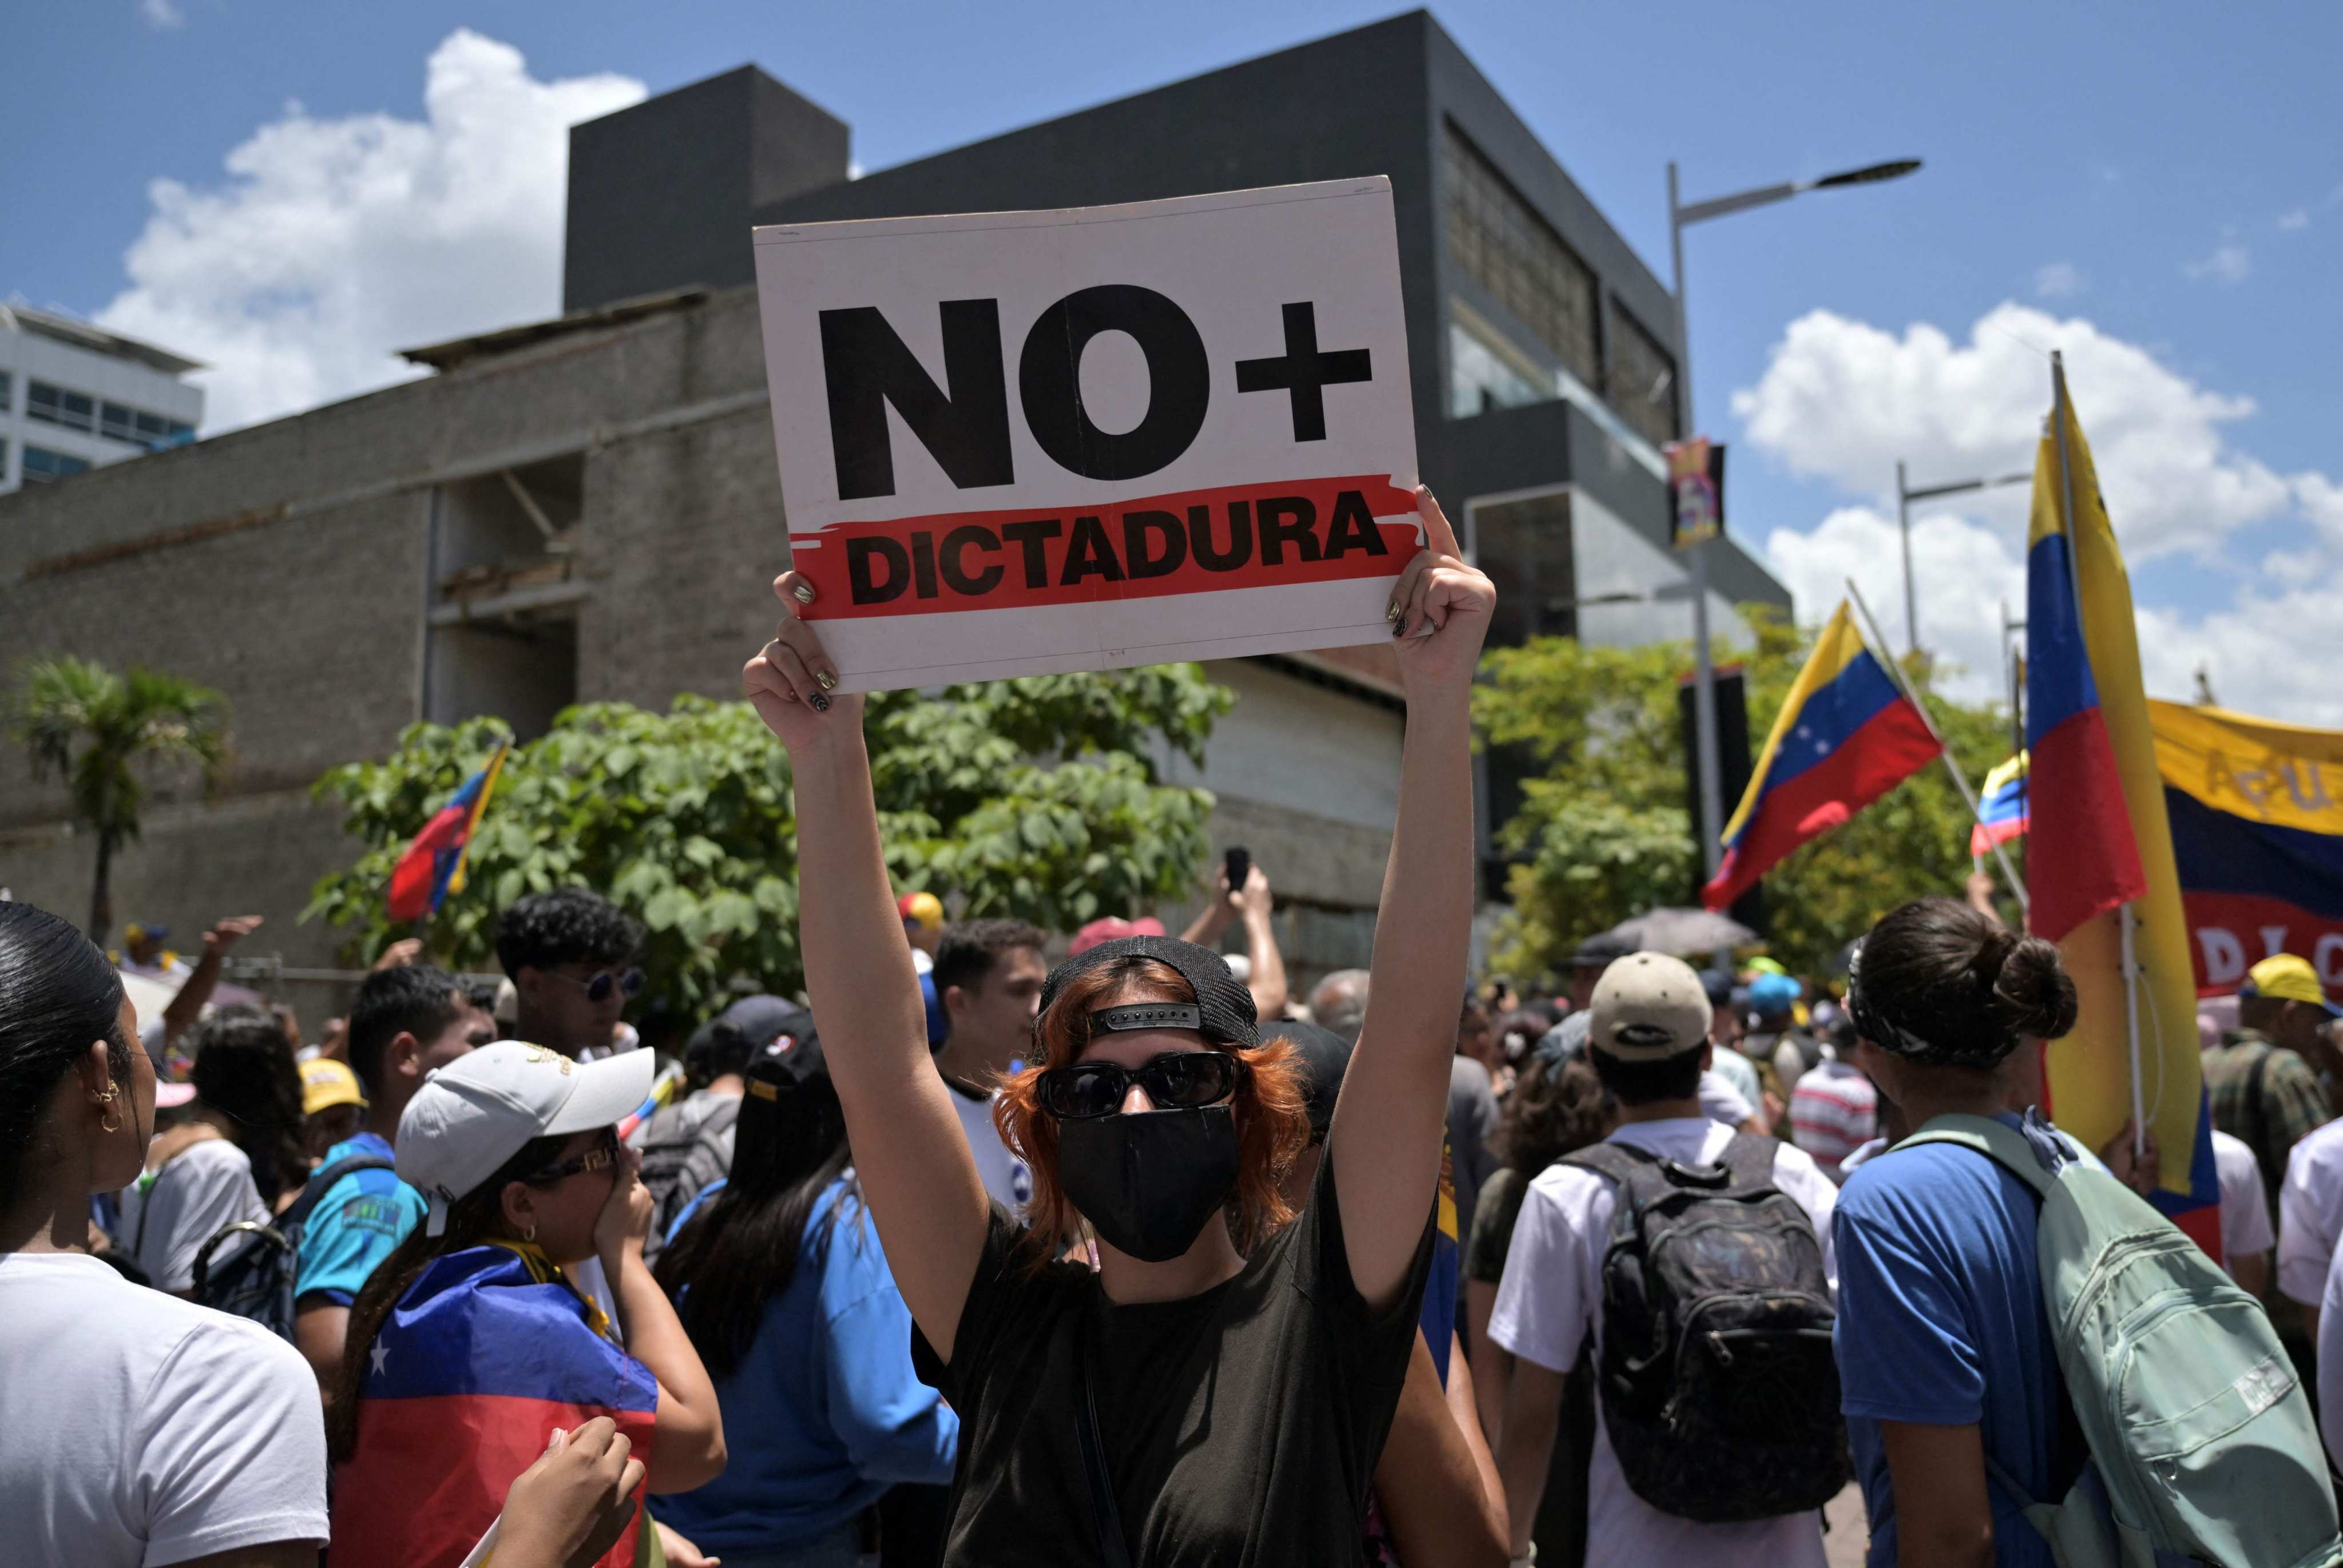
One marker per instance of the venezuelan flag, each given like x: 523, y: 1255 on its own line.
x: 433, y: 865
x: 2257, y: 812
x: 488, y: 1353
x: 2106, y: 839
x: 1845, y: 736
x: 1437, y: 1314
x: 2001, y: 807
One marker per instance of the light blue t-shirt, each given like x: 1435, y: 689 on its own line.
x: 1941, y: 1324
x: 823, y: 1414
x: 358, y: 1222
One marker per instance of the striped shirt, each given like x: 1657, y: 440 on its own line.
x: 1833, y: 1112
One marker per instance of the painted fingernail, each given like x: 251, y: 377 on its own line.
x: 820, y: 703
x: 1390, y: 610
x: 828, y: 681
x: 1399, y: 624
x: 802, y: 592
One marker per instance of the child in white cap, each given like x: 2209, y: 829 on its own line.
x: 470, y: 1343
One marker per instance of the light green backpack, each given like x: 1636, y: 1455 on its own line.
x: 2203, y: 1449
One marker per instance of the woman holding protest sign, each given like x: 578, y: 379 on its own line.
x: 1186, y: 1403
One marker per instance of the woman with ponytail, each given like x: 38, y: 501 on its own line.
x: 778, y: 1277
x: 1946, y: 1363
x: 134, y: 1428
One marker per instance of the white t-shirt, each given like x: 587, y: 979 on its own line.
x: 1552, y: 1298
x: 2244, y: 1210
x: 2310, y: 1213
x: 2330, y: 1363
x: 167, y: 1217
x: 146, y: 1429
x: 1738, y: 1071
x: 1721, y: 1101
x: 1007, y: 1181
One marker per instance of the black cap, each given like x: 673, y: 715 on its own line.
x: 736, y: 1031
x: 1224, y: 1008
x: 1325, y: 1056
x: 1598, y: 952
x: 1719, y: 987
x: 789, y: 1060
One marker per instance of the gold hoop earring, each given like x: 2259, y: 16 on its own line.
x: 109, y: 1123
x: 528, y: 1234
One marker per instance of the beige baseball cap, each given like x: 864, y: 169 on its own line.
x: 1648, y: 1007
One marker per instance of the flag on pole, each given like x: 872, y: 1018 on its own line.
x: 2106, y: 839
x: 433, y: 865
x: 2001, y: 807
x: 1845, y: 736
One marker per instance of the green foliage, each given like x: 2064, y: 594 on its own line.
x: 1037, y: 798
x: 1605, y: 833
x: 93, y: 729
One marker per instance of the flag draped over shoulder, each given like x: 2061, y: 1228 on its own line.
x: 2100, y: 838
x: 2001, y: 807
x: 2256, y: 813
x: 488, y: 1353
x: 432, y: 864
x: 1845, y: 736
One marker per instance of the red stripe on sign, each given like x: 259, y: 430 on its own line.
x: 1272, y: 535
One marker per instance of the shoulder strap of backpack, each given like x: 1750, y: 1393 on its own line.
x: 1997, y: 1140
x: 319, y: 1184
x: 1750, y: 1158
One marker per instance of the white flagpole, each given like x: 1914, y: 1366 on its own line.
x: 2128, y: 919
x: 1960, y: 780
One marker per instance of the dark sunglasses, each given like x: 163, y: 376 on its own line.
x: 599, y: 988
x: 1176, y: 1081
x: 603, y: 1153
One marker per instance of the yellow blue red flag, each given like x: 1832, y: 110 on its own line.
x: 1847, y: 735
x: 433, y: 865
x: 2100, y: 838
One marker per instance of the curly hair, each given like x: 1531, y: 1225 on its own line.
x: 1555, y: 1107
x: 244, y: 1067
x: 1271, y: 1123
x: 563, y: 926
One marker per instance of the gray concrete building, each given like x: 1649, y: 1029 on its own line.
x: 587, y: 508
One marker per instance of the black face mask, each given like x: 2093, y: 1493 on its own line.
x: 1148, y: 1180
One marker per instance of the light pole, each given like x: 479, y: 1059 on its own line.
x: 1704, y: 705
x: 1903, y: 499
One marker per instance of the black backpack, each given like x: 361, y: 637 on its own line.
x: 677, y: 1164
x: 1716, y: 1378
x: 248, y: 1269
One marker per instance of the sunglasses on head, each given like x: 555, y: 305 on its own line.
x: 604, y: 1153
x: 598, y: 988
x: 1176, y: 1081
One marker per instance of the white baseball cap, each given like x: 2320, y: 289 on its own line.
x: 1648, y: 1007
x: 478, y: 1111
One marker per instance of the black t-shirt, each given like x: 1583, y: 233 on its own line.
x: 1241, y: 1426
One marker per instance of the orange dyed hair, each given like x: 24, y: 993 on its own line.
x: 1271, y: 1126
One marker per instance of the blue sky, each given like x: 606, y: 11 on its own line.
x: 2163, y: 198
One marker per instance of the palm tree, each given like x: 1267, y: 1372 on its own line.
x: 87, y: 726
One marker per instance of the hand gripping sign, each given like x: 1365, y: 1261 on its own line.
x: 1019, y: 443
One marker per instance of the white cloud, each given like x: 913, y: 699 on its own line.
x: 162, y: 14
x: 335, y: 241
x: 2058, y: 280
x: 2259, y: 649
x: 2298, y: 219
x: 1843, y: 399
x: 2229, y: 263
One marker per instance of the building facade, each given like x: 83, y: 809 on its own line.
x: 588, y: 507
x: 75, y: 396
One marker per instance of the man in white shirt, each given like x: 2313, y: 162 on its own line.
x: 2309, y: 1218
x: 989, y: 976
x: 2245, y: 1237
x: 1648, y: 1042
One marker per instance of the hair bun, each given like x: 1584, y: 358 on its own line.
x: 2031, y: 989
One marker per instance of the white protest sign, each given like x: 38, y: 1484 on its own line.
x: 1019, y: 443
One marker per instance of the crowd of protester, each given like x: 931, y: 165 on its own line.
x: 1001, y: 1245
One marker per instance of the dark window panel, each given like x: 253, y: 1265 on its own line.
x: 1642, y: 379
x: 1501, y: 243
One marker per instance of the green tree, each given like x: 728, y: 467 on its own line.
x: 97, y: 731
x: 1039, y: 798
x: 1603, y: 833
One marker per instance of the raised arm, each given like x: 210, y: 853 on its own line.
x: 1385, y: 1143
x: 917, y: 1174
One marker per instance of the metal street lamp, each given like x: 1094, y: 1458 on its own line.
x: 1712, y: 798
x: 1903, y: 499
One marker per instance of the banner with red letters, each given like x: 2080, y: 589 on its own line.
x: 1020, y: 443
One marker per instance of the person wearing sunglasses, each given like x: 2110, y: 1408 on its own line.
x: 570, y: 954
x: 1218, y: 1389
x: 470, y: 1343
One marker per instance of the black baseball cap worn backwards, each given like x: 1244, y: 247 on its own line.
x: 1223, y: 1011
